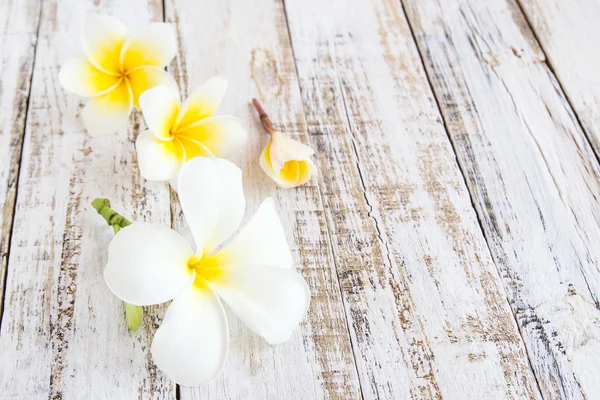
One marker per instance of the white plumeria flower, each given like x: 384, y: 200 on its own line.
x: 252, y: 274
x: 117, y: 68
x: 179, y: 132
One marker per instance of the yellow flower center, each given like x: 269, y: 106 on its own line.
x: 187, y: 146
x: 207, y: 269
x: 290, y: 170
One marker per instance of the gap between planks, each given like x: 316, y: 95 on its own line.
x: 10, y: 201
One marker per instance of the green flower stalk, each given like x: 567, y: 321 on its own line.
x: 133, y: 314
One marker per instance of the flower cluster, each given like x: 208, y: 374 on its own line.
x: 251, y: 273
x: 121, y: 71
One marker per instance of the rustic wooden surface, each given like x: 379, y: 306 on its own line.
x: 567, y: 30
x: 451, y: 240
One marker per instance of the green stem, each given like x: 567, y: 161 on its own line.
x: 112, y: 218
x: 133, y: 314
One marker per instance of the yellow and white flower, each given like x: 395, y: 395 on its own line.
x: 284, y: 159
x: 117, y: 68
x: 287, y: 161
x: 252, y: 274
x: 179, y: 132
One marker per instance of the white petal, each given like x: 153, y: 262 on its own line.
x: 147, y: 264
x: 79, y: 76
x: 160, y: 106
x: 155, y: 44
x: 203, y: 102
x: 212, y: 200
x: 276, y: 152
x: 270, y: 300
x: 295, y: 150
x: 158, y: 160
x: 261, y: 241
x: 192, y: 344
x: 108, y: 113
x: 103, y: 37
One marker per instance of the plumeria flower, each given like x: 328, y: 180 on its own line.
x: 284, y: 159
x: 117, y: 67
x: 179, y: 132
x: 252, y: 274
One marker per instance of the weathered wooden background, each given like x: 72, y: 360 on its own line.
x: 451, y: 242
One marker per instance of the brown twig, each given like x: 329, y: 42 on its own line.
x: 264, y: 118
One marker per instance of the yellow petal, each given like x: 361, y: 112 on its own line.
x: 109, y: 112
x: 102, y: 39
x: 79, y: 76
x: 194, y: 148
x: 265, y: 162
x: 144, y: 78
x: 158, y: 160
x: 203, y: 102
x: 160, y: 106
x: 307, y: 170
x: 153, y: 45
x: 221, y: 135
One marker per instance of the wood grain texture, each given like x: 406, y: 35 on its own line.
x: 429, y: 318
x: 248, y: 43
x: 19, y: 22
x: 410, y: 298
x: 533, y: 177
x: 62, y: 330
x: 568, y: 31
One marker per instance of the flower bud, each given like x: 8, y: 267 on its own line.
x: 287, y: 161
x: 284, y: 159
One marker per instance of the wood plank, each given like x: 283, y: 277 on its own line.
x: 248, y: 42
x: 429, y: 317
x: 63, y: 331
x: 532, y: 175
x: 568, y: 31
x: 18, y: 37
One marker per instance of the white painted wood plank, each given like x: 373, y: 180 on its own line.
x: 532, y: 175
x: 248, y: 42
x: 62, y: 330
x: 569, y: 32
x: 18, y: 35
x: 429, y: 317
